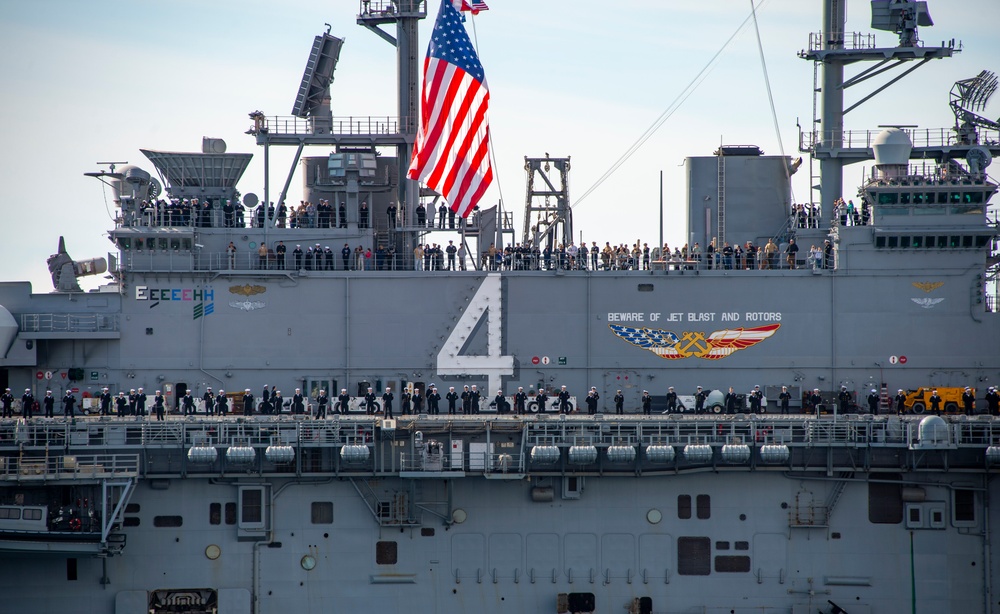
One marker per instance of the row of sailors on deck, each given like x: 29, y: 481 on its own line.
x: 623, y: 257
x: 272, y: 402
x: 208, y: 213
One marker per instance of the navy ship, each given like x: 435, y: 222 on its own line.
x: 723, y: 428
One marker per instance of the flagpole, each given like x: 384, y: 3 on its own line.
x: 660, y: 246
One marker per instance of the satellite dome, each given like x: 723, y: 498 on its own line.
x: 933, y: 432
x: 892, y: 146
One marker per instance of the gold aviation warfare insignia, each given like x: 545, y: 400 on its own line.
x: 928, y: 286
x: 247, y: 290
x: 718, y: 344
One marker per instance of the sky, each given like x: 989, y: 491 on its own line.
x: 95, y: 81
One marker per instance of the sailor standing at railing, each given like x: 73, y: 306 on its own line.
x: 105, y: 401
x: 48, y: 402
x: 69, y: 402
x: 221, y: 403
x: 321, y: 402
x: 158, y: 405
x: 247, y: 403
x: 7, y: 400
x: 387, y: 402
x: 28, y: 403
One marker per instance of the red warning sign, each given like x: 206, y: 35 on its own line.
x: 535, y: 360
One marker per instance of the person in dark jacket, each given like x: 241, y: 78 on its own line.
x: 541, y: 399
x: 321, y: 402
x: 298, y: 402
x: 873, y: 402
x: 247, y: 403
x: 732, y: 402
x: 48, y: 402
x: 69, y: 402
x: 619, y: 403
x: 387, y: 398
x: 969, y: 401
x: 221, y: 403
x: 159, y: 405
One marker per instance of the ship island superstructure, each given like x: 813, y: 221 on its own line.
x: 216, y: 292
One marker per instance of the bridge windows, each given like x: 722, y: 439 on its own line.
x: 972, y: 240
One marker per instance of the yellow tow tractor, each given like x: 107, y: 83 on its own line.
x: 918, y: 401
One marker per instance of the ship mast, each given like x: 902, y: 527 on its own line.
x: 832, y: 50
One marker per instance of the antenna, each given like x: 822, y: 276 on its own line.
x: 112, y: 165
x: 968, y: 98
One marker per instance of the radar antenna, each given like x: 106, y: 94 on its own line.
x: 968, y: 99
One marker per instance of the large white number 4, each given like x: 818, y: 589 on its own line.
x: 487, y: 302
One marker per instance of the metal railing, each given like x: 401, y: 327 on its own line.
x: 69, y: 323
x: 864, y: 431
x: 848, y: 40
x: 68, y: 466
x: 864, y: 139
x: 361, y: 125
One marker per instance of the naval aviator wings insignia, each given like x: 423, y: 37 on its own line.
x: 928, y: 286
x: 247, y: 290
x: 718, y: 344
x: 926, y: 303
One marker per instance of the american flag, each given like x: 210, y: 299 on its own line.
x: 451, y: 154
x: 475, y: 7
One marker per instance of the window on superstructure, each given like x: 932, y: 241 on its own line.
x: 32, y: 514
x: 251, y: 505
x: 742, y: 545
x: 684, y: 507
x: 904, y: 241
x: 893, y: 242
x: 230, y: 513
x: 214, y: 513
x: 694, y: 556
x: 132, y: 508
x: 954, y: 197
x: 732, y: 564
x: 885, y: 502
x: 964, y: 505
x: 385, y: 553
x: 918, y: 241
x: 167, y: 522
x: 967, y: 241
x: 887, y: 198
x: 130, y: 521
x: 704, y: 507
x: 322, y: 512
x: 904, y: 198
